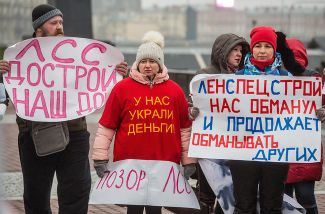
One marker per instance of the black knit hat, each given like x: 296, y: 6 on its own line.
x: 42, y: 13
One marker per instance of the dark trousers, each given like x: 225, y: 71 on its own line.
x: 72, y: 171
x: 305, y: 195
x: 206, y: 195
x: 138, y: 209
x: 268, y: 178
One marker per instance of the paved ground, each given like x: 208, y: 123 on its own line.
x: 11, y: 180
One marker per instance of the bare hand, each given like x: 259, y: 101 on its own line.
x: 320, y: 113
x: 4, y: 66
x: 122, y: 69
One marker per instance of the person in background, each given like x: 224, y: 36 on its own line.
x: 301, y: 176
x: 71, y: 165
x: 228, y: 52
x: 148, y: 78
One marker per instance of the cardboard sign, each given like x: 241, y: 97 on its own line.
x: 259, y: 118
x: 60, y: 78
x: 144, y: 182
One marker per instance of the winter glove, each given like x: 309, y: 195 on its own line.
x: 320, y: 114
x: 193, y: 112
x: 189, y: 169
x: 287, y: 55
x: 281, y: 42
x: 101, y: 167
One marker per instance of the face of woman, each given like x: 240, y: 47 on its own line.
x: 263, y: 51
x: 149, y: 67
x: 235, y: 56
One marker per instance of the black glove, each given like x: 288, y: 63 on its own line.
x: 287, y: 55
x: 193, y: 112
x: 101, y: 167
x: 189, y: 169
x: 281, y: 43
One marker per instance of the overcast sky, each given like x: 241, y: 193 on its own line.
x: 239, y: 4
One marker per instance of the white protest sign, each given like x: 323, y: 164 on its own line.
x: 60, y: 78
x: 144, y: 182
x: 260, y: 118
x: 219, y: 178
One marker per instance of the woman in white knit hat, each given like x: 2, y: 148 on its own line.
x: 148, y: 88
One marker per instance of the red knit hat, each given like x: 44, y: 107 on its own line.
x: 263, y: 34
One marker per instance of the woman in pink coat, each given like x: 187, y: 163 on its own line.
x: 147, y: 113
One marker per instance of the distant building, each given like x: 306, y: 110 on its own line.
x: 303, y: 23
x: 212, y: 22
x: 105, y: 7
x: 124, y: 21
x: 191, y: 26
x: 77, y: 17
x: 110, y: 18
x: 16, y: 19
x: 122, y: 26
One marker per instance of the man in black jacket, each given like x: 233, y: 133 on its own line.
x: 70, y: 165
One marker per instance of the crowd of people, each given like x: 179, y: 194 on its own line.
x: 268, y: 53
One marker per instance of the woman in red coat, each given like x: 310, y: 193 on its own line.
x: 301, y: 176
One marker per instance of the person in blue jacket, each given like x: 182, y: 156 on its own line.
x: 253, y: 178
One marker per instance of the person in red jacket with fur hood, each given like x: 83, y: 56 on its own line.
x: 301, y: 176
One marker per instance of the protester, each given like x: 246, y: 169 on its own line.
x: 226, y: 58
x: 301, y: 176
x: 250, y: 177
x: 226, y: 55
x: 148, y: 78
x: 70, y: 165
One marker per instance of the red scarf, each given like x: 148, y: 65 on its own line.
x: 261, y: 65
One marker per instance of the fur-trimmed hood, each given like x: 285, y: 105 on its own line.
x: 221, y: 49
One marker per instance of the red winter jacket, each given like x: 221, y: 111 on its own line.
x: 299, y: 172
x: 149, y: 119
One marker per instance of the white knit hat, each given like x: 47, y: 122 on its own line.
x: 151, y: 48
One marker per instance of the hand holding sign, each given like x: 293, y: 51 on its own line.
x: 101, y: 167
x: 144, y: 182
x: 60, y: 78
x: 4, y: 66
x: 320, y: 113
x: 122, y: 69
x: 256, y: 118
